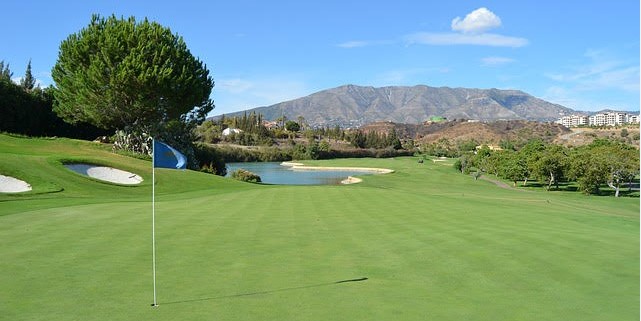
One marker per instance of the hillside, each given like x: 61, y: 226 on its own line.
x: 353, y: 106
x: 483, y: 132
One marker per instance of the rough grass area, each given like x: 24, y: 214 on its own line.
x: 432, y: 244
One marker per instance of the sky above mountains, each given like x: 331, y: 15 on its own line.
x: 580, y: 54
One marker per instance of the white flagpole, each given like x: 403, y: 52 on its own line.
x: 153, y: 216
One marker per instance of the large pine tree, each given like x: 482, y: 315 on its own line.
x: 117, y: 73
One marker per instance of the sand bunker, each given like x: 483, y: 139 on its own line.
x: 299, y: 166
x: 108, y: 174
x: 349, y: 179
x: 10, y: 184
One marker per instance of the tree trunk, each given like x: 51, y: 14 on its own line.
x: 616, y: 188
x: 551, y: 181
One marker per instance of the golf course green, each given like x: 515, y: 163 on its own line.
x: 422, y: 243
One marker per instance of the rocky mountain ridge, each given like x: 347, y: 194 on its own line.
x: 354, y: 106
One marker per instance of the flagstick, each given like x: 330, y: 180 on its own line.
x: 153, y: 217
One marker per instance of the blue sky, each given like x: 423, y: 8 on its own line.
x: 581, y: 54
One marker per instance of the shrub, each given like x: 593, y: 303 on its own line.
x: 245, y: 176
x: 209, y: 159
x: 624, y: 132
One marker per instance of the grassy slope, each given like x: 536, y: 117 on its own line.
x: 433, y: 245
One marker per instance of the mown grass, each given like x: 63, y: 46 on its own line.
x: 433, y: 244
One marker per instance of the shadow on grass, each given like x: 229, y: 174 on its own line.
x: 265, y: 292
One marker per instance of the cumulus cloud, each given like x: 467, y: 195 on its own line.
x: 477, y: 21
x: 471, y: 30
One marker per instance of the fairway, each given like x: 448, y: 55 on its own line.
x: 422, y: 243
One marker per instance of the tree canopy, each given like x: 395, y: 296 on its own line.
x: 27, y: 110
x: 5, y: 73
x: 603, y: 162
x: 28, y: 82
x: 117, y: 73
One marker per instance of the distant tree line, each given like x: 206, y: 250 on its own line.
x: 27, y: 109
x: 296, y: 141
x: 604, y: 162
x: 373, y: 139
x: 253, y: 132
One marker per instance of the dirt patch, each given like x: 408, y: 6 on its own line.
x: 500, y: 183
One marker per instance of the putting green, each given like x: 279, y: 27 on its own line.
x: 433, y: 245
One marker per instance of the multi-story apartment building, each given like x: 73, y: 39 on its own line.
x: 573, y: 120
x: 600, y: 119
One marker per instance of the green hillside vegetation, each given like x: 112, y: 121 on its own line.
x: 587, y: 168
x: 422, y: 243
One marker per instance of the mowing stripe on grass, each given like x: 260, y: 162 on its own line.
x: 433, y: 244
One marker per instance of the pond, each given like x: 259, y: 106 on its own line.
x: 275, y: 173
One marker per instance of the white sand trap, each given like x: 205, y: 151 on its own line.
x: 10, y: 184
x: 108, y: 174
x: 349, y: 179
x: 299, y: 166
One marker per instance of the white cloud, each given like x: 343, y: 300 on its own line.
x: 363, y: 43
x: 477, y: 21
x: 353, y: 44
x: 468, y: 31
x: 600, y: 80
x: 563, y: 97
x: 452, y: 38
x: 236, y: 94
x: 234, y: 85
x: 600, y: 72
x: 576, y: 100
x: 496, y: 61
x: 38, y: 83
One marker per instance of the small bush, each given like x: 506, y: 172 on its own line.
x: 209, y: 159
x: 245, y: 176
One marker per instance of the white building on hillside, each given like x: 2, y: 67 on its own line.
x: 608, y: 119
x: 600, y: 119
x: 573, y: 120
x: 229, y: 131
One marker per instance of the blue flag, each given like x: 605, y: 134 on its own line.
x: 166, y: 156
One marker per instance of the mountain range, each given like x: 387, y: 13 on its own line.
x: 354, y: 106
